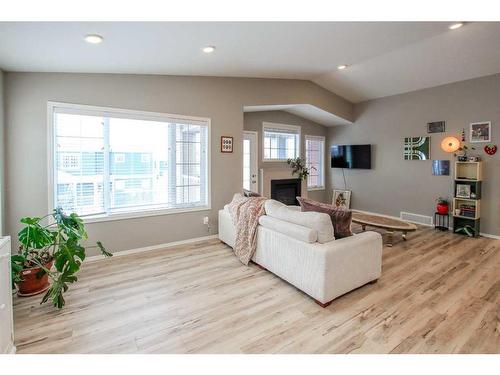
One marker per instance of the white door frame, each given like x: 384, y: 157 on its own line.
x: 254, y: 158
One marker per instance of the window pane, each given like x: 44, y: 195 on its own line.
x: 315, y: 161
x: 280, y: 145
x: 79, y: 163
x: 106, y: 165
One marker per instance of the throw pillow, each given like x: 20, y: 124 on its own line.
x: 341, y: 218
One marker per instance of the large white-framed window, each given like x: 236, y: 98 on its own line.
x: 110, y: 163
x: 315, y: 162
x: 280, y: 142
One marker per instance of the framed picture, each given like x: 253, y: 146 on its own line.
x: 436, y: 127
x: 463, y: 191
x: 341, y: 198
x: 440, y: 167
x: 226, y: 144
x: 480, y: 131
x: 417, y: 148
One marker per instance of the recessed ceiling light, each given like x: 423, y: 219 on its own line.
x: 341, y: 67
x: 456, y: 26
x: 209, y: 49
x: 93, y: 39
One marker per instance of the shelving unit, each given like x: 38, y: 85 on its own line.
x: 469, y: 208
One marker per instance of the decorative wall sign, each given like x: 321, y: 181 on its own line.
x: 440, y: 167
x: 436, y: 127
x: 417, y: 148
x: 490, y: 149
x: 226, y: 144
x: 480, y: 131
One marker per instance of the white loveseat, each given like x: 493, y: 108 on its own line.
x: 300, y: 248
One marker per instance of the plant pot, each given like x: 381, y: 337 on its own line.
x: 32, y: 283
x: 442, y: 209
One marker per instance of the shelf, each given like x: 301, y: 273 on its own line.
x: 466, y: 217
x: 467, y: 180
x: 468, y: 171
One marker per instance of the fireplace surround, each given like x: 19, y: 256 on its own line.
x: 286, y: 191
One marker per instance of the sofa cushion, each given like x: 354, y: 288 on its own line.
x: 320, y: 222
x: 298, y: 232
x: 340, y: 217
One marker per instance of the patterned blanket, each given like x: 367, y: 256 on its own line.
x: 245, y: 213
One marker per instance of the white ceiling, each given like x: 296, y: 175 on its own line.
x: 384, y: 58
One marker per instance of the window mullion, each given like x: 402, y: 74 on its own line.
x: 106, y: 174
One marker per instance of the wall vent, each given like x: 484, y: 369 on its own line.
x: 416, y: 218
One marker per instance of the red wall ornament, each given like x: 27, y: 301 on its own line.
x: 490, y: 149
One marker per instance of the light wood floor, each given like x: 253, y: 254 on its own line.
x: 439, y: 293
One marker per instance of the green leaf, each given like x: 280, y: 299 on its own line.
x: 103, y: 250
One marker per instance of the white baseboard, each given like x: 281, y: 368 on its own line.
x: 451, y: 228
x: 490, y: 235
x: 151, y: 248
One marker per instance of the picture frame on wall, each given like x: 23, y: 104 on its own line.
x: 436, y: 127
x: 226, y: 144
x: 480, y: 132
x: 440, y: 167
x: 463, y: 191
x: 341, y: 198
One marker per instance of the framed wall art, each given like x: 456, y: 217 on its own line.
x: 226, y: 144
x: 480, y: 131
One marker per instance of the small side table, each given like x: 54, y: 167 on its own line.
x: 441, y: 221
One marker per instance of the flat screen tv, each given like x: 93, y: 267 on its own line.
x: 352, y: 156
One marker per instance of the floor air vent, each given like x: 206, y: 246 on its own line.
x: 415, y: 218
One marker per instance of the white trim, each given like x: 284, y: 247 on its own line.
x: 496, y: 237
x: 138, y: 214
x: 107, y: 111
x: 323, y: 164
x: 151, y: 248
x: 296, y: 129
x: 255, y: 157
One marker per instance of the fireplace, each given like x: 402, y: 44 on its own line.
x: 286, y: 190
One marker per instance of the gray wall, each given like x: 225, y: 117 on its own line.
x: 395, y: 185
x: 2, y: 151
x: 253, y: 121
x: 220, y: 99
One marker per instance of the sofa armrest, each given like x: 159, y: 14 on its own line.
x: 351, y: 262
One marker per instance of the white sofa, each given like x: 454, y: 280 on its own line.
x: 299, y: 247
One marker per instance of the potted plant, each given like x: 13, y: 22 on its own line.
x: 443, y: 206
x: 299, y: 168
x: 58, y: 243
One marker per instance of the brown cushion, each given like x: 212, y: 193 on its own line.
x: 248, y: 193
x: 341, y: 217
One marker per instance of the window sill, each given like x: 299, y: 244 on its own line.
x: 274, y: 160
x: 316, y: 188
x: 141, y: 214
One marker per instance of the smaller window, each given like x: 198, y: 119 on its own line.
x: 281, y: 142
x: 315, y: 162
